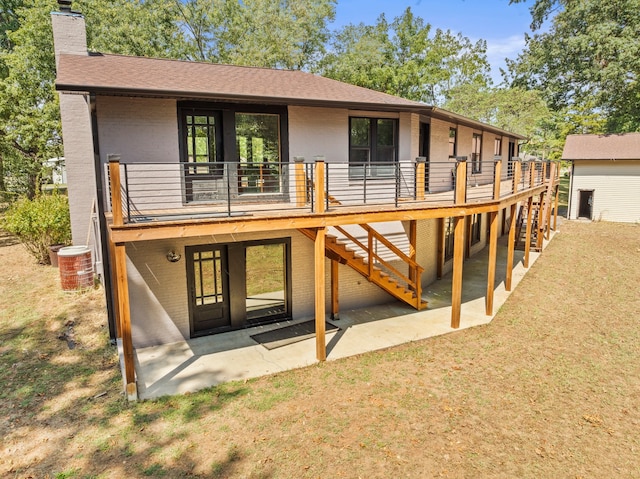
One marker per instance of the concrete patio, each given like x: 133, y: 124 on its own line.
x: 195, y: 364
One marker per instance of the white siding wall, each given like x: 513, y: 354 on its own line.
x: 616, y: 185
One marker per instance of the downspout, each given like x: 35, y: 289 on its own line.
x: 104, y: 236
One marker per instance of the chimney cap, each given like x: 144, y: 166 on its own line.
x: 65, y: 5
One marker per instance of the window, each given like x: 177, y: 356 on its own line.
x: 373, y: 146
x: 250, y: 139
x: 203, y: 137
x: 448, y: 238
x: 453, y: 142
x: 258, y: 152
x: 497, y: 148
x: 476, y: 224
x: 476, y: 153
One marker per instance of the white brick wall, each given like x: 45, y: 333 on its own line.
x: 79, y: 163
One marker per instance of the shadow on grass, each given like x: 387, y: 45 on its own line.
x: 7, y: 239
x: 74, y: 399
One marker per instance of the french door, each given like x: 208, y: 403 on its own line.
x: 208, y: 284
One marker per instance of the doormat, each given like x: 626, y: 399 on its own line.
x: 290, y: 334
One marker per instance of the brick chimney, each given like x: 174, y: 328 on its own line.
x: 69, y: 31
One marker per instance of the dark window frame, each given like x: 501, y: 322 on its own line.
x: 448, y: 238
x: 476, y: 153
x: 373, y: 149
x: 476, y: 228
x: 453, y: 145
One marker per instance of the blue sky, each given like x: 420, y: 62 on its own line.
x: 502, y: 25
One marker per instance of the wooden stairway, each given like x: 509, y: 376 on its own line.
x: 371, y: 267
x: 539, y: 221
x: 521, y: 226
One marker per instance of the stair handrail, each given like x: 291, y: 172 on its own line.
x: 414, y: 285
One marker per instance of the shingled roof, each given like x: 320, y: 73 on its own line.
x: 624, y: 146
x: 152, y: 77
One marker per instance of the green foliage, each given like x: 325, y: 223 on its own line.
x: 403, y: 58
x: 30, y: 131
x: 285, y: 34
x: 39, y: 223
x: 513, y: 109
x: 588, y: 62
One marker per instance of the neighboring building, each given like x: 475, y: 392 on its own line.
x: 217, y: 165
x: 605, y: 177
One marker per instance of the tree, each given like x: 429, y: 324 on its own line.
x: 588, y: 62
x: 29, y: 113
x: 513, y: 109
x: 287, y: 34
x: 403, y: 58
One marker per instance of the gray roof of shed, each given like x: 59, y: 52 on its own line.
x: 624, y: 146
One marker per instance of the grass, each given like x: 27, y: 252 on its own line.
x: 548, y: 389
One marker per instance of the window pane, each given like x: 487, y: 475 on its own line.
x: 258, y: 143
x: 386, y: 154
x: 452, y: 142
x: 259, y: 137
x: 360, y: 131
x: 386, y: 132
x: 265, y: 280
x: 359, y: 155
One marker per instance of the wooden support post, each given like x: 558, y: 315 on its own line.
x: 555, y: 209
x: 458, y: 261
x: 125, y: 321
x: 493, y: 254
x: 527, y: 246
x: 335, y: 300
x: 114, y: 286
x: 321, y: 347
x: 319, y: 185
x: 116, y: 194
x: 420, y: 177
x: 301, y: 181
x: 441, y: 238
x: 458, y: 244
x: 511, y: 246
x: 413, y: 238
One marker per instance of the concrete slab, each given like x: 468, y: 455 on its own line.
x: 191, y: 365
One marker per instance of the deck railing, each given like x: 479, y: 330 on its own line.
x: 178, y: 191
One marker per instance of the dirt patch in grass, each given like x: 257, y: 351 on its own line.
x: 551, y: 388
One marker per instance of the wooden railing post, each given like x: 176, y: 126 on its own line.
x: 319, y: 185
x: 116, y: 194
x: 301, y: 181
x: 497, y: 177
x: 532, y: 174
x: 517, y: 173
x: 421, y: 162
x: 458, y: 242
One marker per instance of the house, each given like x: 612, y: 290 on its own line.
x: 230, y: 197
x: 605, y: 177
